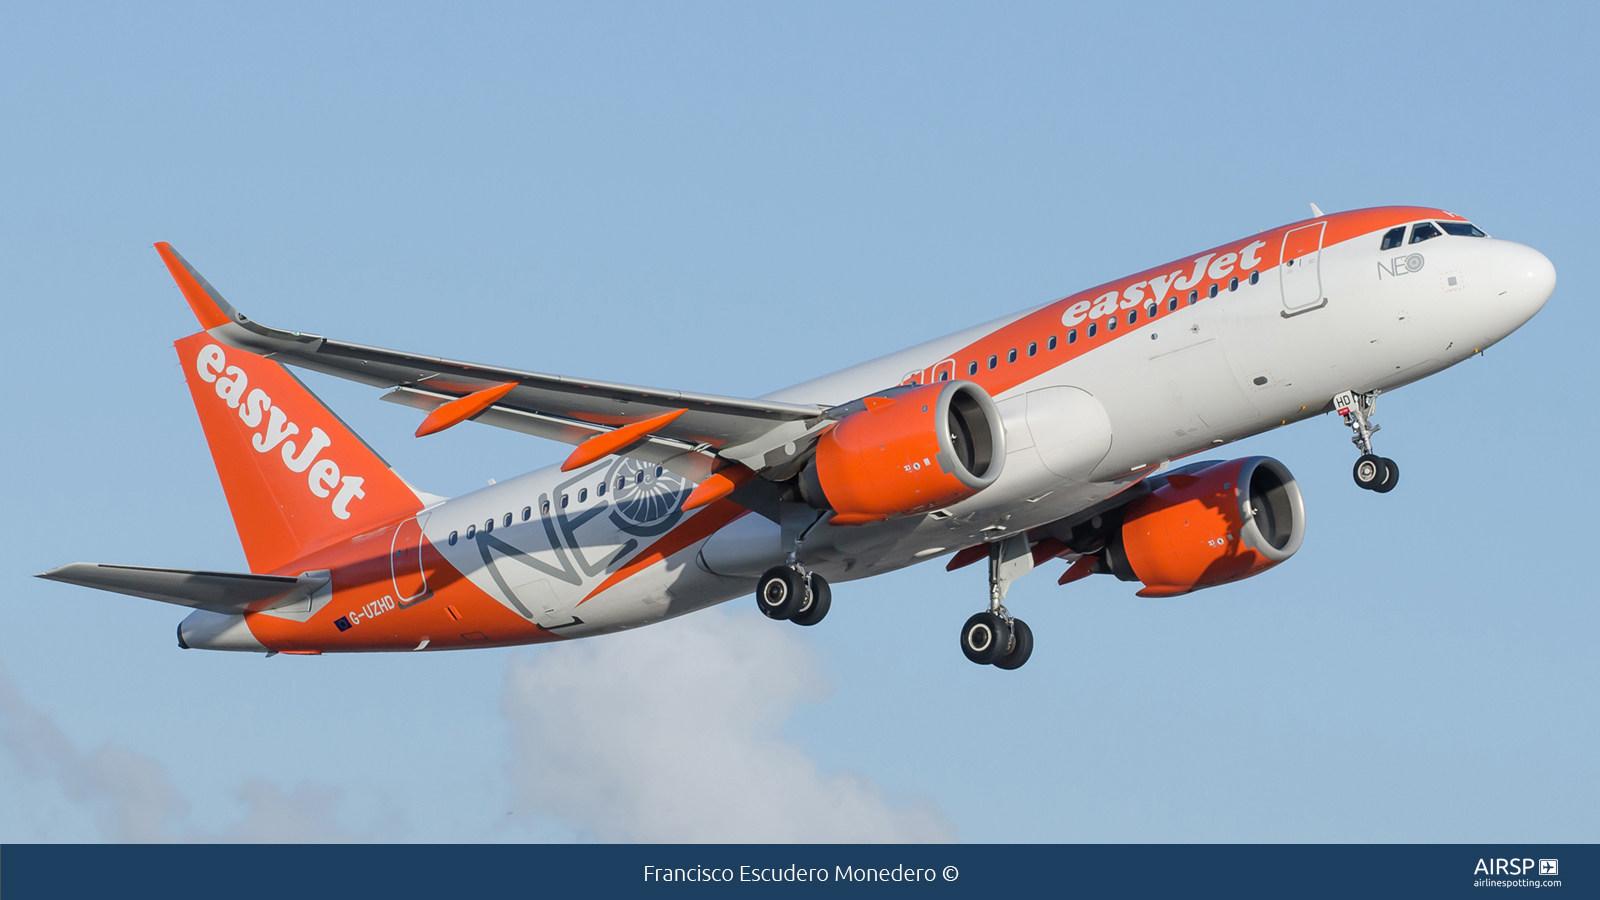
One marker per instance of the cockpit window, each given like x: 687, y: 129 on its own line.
x: 1461, y: 229
x: 1424, y: 231
x: 1393, y: 238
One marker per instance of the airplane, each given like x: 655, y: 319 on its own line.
x: 1064, y: 431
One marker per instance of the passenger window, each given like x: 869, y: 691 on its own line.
x: 1050, y: 344
x: 1255, y: 277
x: 993, y: 361
x: 1111, y: 324
x: 1151, y: 310
x: 622, y: 482
x: 1172, y: 305
x: 1393, y: 238
x: 1072, y: 336
x: 972, y: 368
x: 1233, y: 283
x: 944, y: 376
x: 1212, y: 292
x: 1011, y: 357
x: 527, y: 513
x: 1033, y: 348
x: 563, y: 501
x: 1461, y: 229
x: 1424, y: 231
x: 638, y: 477
x: 583, y: 495
x: 600, y: 489
x: 1194, y: 297
x: 471, y: 530
x: 1093, y: 327
x: 508, y: 520
x: 453, y: 537
x: 659, y: 470
x: 544, y: 508
x: 1133, y: 316
x: 488, y: 526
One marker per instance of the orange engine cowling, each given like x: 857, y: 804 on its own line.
x: 1210, y: 526
x: 909, y: 451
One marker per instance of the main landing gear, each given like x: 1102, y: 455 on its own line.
x: 1371, y: 472
x: 994, y: 637
x: 792, y: 591
x: 795, y: 593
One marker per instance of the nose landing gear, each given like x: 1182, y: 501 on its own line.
x: 1371, y: 472
x: 1376, y: 473
x: 995, y: 638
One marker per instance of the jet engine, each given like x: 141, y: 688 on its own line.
x: 1209, y: 526
x: 908, y: 451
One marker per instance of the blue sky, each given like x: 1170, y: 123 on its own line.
x: 733, y: 198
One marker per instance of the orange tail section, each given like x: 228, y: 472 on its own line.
x: 296, y: 477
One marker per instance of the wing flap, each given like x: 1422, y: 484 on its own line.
x: 680, y: 457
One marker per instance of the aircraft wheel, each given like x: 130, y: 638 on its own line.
x: 821, y: 599
x: 780, y: 593
x: 1021, y: 646
x: 1391, y: 476
x: 985, y: 638
x: 1369, y: 471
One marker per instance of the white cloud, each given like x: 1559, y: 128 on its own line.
x: 668, y: 733
x: 133, y: 799
x: 674, y: 733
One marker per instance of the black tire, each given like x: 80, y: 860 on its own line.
x: 985, y: 638
x: 821, y: 600
x: 1368, y: 471
x: 780, y: 592
x: 1391, y: 476
x: 1021, y: 646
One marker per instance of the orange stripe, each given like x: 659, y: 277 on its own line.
x: 1042, y: 324
x: 700, y: 526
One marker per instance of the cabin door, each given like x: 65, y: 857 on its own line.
x: 1301, y: 268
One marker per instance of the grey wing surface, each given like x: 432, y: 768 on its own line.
x: 570, y: 410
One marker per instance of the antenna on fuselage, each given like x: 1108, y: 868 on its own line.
x: 1315, y: 213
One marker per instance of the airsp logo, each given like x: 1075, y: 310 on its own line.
x: 1400, y: 265
x: 1513, y: 867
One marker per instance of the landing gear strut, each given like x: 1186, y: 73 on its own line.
x: 995, y: 637
x: 1371, y: 472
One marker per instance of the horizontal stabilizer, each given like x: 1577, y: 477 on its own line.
x: 220, y: 592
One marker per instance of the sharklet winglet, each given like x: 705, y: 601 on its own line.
x: 207, y: 303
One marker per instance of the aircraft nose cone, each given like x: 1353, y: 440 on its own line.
x: 1528, y: 277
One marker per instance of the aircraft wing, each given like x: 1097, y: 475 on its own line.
x: 571, y: 410
x: 221, y: 592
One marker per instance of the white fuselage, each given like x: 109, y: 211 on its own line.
x: 1248, y: 360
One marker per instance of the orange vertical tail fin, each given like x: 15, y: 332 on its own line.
x: 296, y: 477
